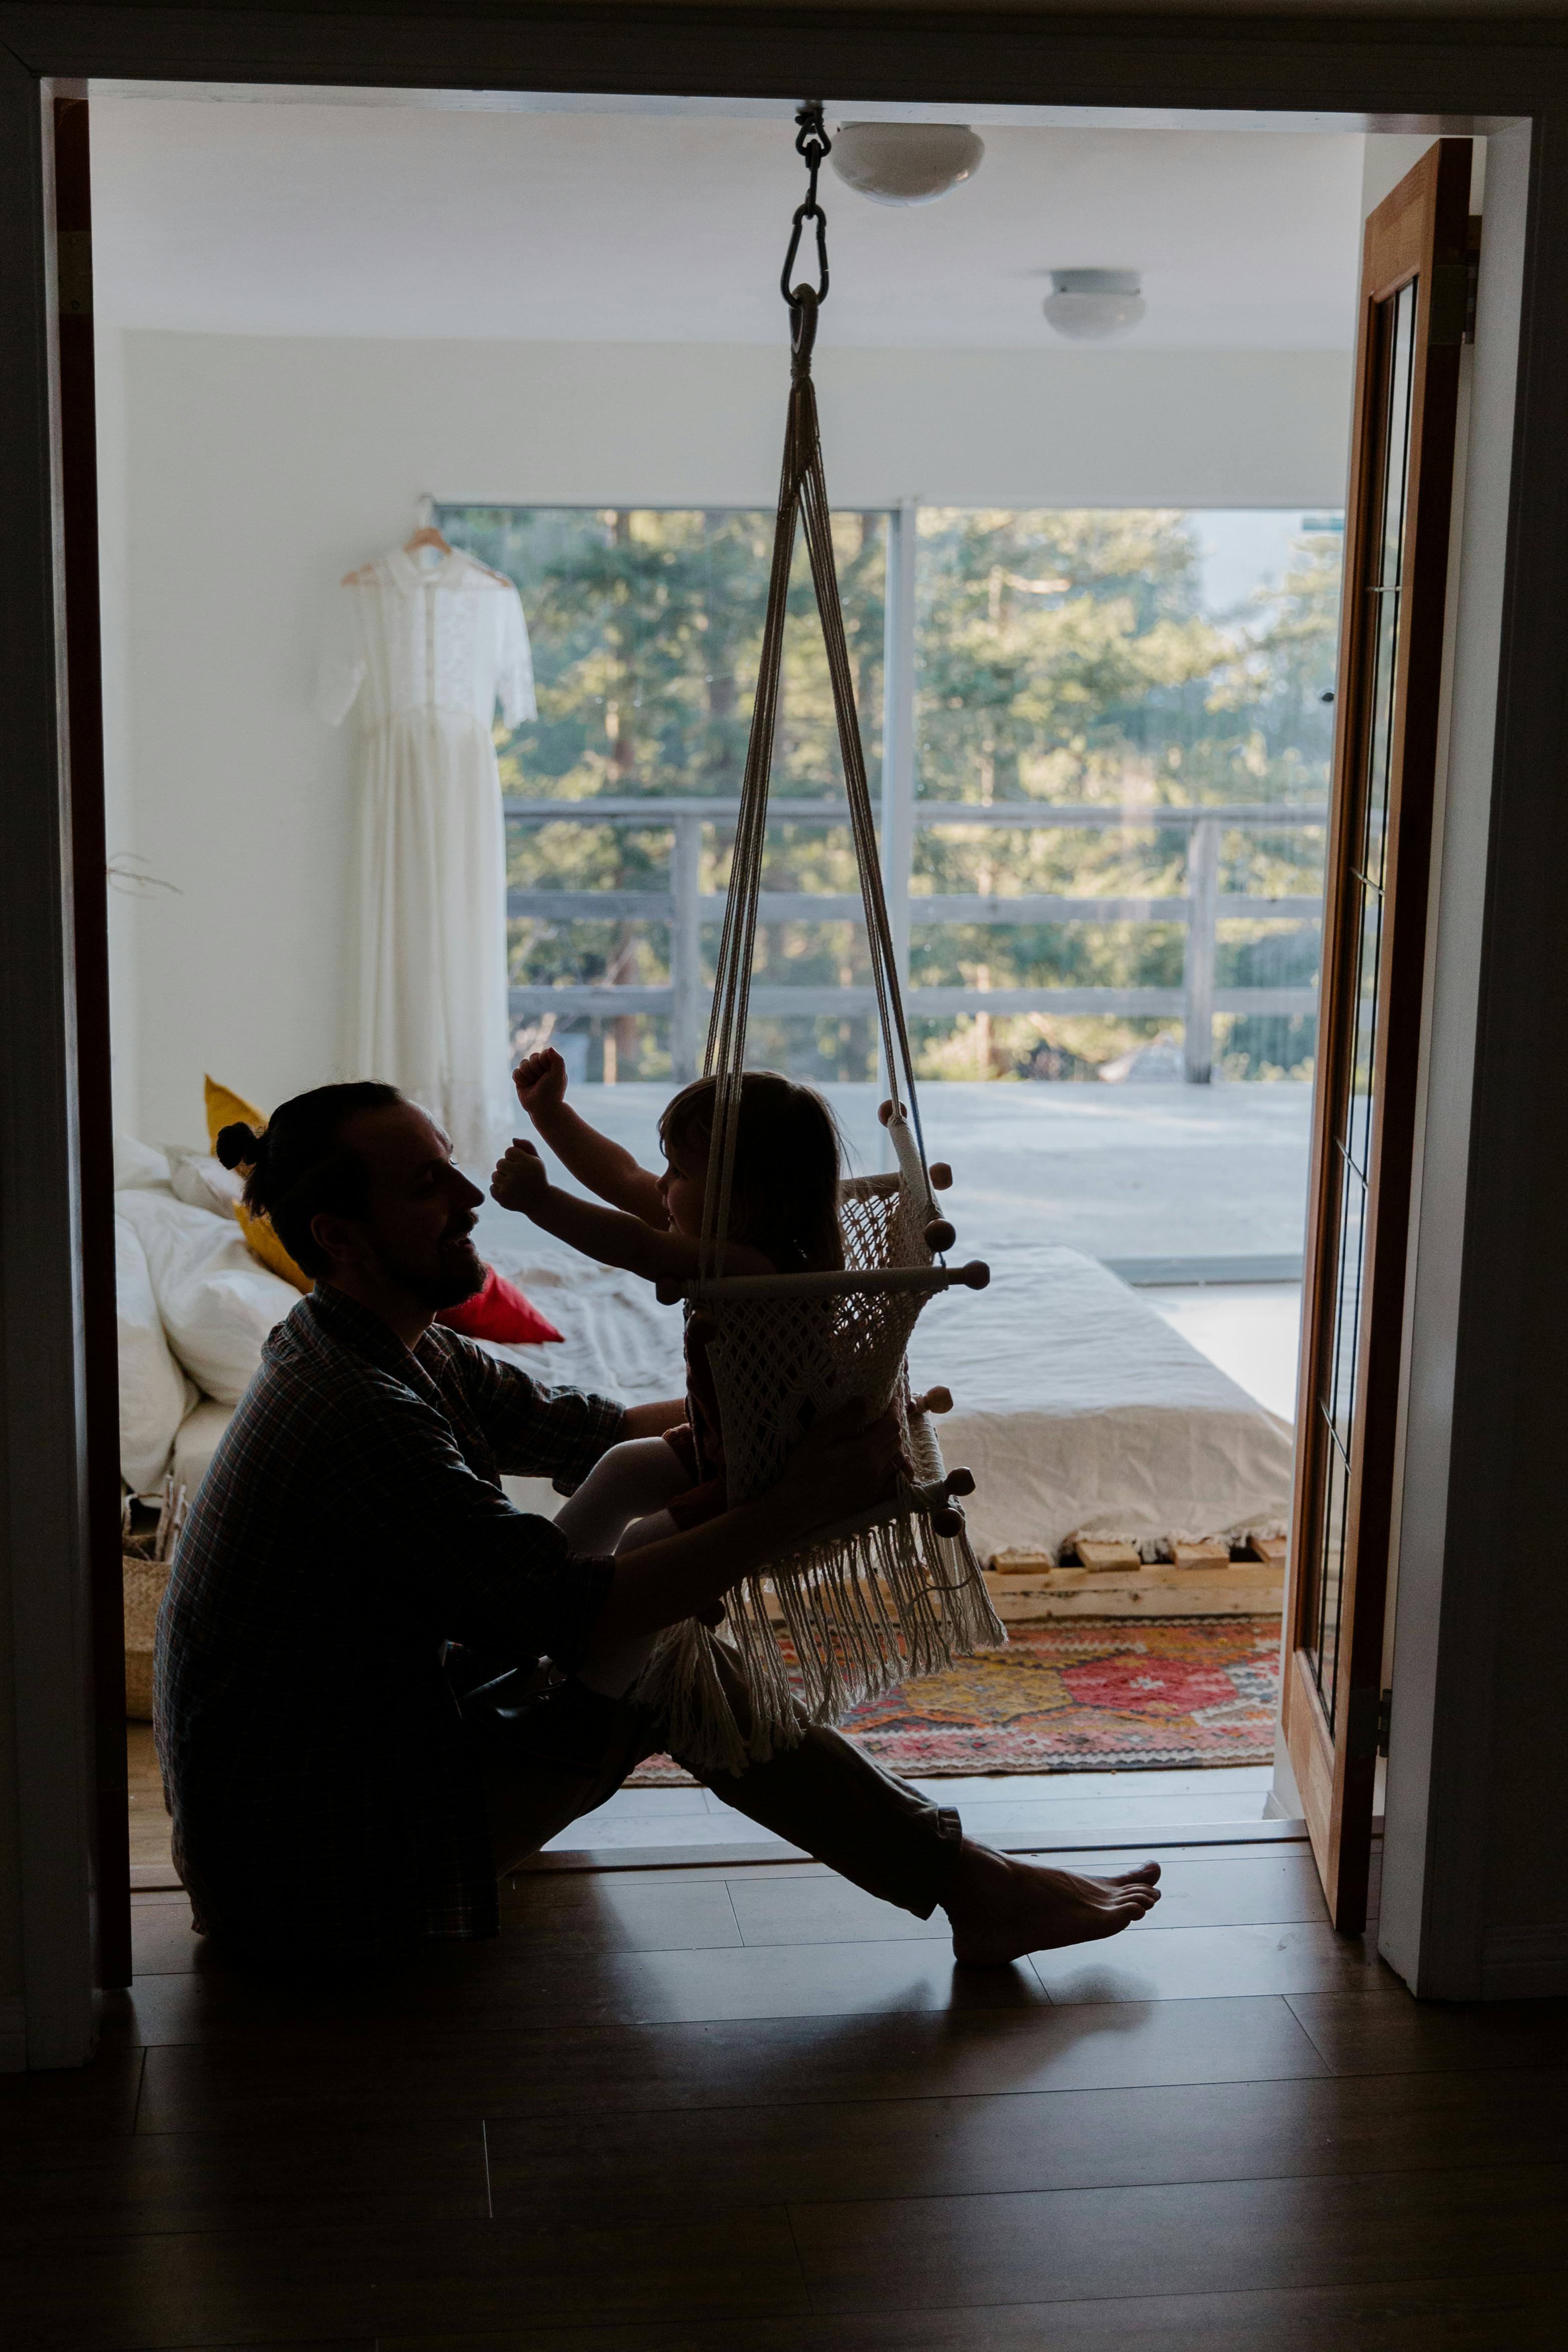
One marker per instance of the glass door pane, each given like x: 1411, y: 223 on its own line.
x: 1351, y: 1106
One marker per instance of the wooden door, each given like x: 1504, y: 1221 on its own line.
x: 1414, y: 293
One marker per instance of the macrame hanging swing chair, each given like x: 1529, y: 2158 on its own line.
x: 896, y: 1592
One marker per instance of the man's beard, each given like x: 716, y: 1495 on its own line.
x: 447, y: 1284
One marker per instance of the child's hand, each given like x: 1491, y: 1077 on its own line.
x: 540, y: 1082
x: 520, y: 1181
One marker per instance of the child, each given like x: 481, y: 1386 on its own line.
x: 783, y: 1219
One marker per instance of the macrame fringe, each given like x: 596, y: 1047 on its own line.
x: 864, y: 1613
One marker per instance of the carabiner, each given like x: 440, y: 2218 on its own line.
x: 810, y: 210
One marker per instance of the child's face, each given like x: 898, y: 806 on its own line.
x: 685, y: 1183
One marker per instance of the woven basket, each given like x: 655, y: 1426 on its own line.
x: 144, y: 1584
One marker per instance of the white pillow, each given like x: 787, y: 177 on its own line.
x: 217, y: 1305
x: 201, y: 1179
x: 137, y: 1165
x: 194, y: 1447
x: 154, y: 1394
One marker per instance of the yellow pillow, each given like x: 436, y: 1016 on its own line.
x: 264, y: 1245
x: 224, y: 1106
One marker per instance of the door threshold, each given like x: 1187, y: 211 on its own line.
x: 756, y: 1853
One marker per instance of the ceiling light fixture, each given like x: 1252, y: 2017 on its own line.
x: 1088, y: 305
x: 906, y: 162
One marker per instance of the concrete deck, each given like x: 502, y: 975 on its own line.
x: 1131, y: 1173
x: 1168, y: 1184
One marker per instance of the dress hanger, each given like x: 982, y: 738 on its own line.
x: 426, y: 535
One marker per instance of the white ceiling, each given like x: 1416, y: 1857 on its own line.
x: 274, y: 217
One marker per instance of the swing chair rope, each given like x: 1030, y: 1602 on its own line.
x: 893, y: 1593
x: 803, y: 503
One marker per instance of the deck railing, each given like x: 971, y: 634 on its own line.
x: 685, y: 907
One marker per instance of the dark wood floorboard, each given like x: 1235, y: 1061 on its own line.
x: 686, y: 2111
x: 1505, y: 2314
x: 317, y: 2343
x: 578, y: 1918
x: 1404, y: 2036
x: 1219, y: 1893
x: 493, y: 1988
x: 88, y: 2102
x: 1202, y: 2238
x: 284, y: 2086
x: 1160, y: 1963
x: 72, y: 2189
x: 702, y: 2160
x: 120, y: 2293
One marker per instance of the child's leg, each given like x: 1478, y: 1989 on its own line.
x: 623, y: 1488
x: 652, y: 1529
x: 614, y: 1672
x: 617, y: 1508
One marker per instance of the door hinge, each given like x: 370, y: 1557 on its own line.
x: 73, y: 263
x: 1449, y: 300
x: 1451, y: 318
x: 1366, y: 1724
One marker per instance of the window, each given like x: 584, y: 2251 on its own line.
x: 1109, y: 675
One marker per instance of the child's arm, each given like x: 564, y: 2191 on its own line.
x: 611, y: 1235
x: 842, y: 1466
x: 604, y: 1167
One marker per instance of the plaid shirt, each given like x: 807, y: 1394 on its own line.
x: 326, y: 1795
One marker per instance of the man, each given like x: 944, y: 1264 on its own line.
x: 344, y: 1782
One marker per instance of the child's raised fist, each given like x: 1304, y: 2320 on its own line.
x: 540, y: 1081
x: 520, y: 1179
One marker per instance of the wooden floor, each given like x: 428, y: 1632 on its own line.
x: 698, y: 2109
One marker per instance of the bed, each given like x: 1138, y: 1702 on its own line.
x: 1079, y: 1409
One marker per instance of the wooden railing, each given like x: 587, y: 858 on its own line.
x: 685, y: 907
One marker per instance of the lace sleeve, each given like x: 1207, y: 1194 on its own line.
x: 514, y: 666
x: 340, y: 670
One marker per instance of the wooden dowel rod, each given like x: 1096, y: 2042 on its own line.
x: 973, y: 1276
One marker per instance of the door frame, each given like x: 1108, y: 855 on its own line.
x: 1458, y: 74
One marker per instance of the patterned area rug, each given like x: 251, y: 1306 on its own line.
x: 1078, y: 1695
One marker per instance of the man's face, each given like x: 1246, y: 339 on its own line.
x: 421, y: 1209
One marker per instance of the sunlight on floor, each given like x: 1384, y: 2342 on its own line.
x: 1250, y: 1330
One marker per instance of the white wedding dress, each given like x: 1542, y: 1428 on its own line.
x: 426, y: 654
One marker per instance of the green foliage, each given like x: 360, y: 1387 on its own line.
x: 1062, y: 657
x: 646, y: 628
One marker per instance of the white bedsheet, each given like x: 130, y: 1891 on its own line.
x: 616, y: 1338
x: 1077, y: 1407
x: 1081, y: 1410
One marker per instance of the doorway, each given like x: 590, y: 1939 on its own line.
x: 1129, y: 872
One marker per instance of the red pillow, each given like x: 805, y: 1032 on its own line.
x: 499, y: 1311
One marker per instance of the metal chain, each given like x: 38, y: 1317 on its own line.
x: 813, y: 145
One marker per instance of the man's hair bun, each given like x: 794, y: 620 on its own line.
x: 302, y: 1166
x: 239, y: 1146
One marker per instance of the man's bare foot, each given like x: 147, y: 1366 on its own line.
x: 1002, y: 1908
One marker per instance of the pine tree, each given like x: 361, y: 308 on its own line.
x: 1062, y: 657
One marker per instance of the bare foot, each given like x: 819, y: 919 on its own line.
x: 1002, y: 1908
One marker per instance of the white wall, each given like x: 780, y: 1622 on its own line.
x: 258, y: 470
x: 1475, y: 1892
